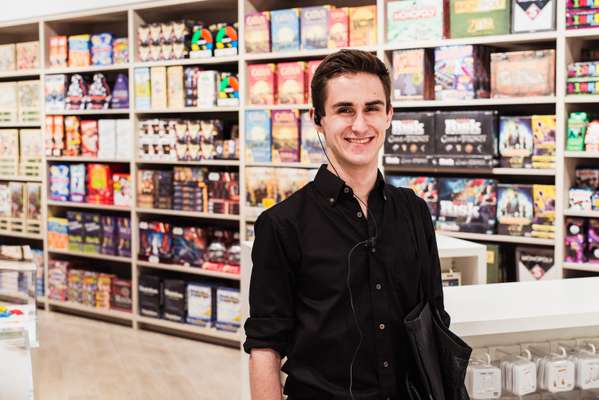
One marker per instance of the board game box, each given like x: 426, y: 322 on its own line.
x: 261, y: 84
x: 261, y: 187
x: 258, y: 139
x: 523, y: 73
x: 291, y: 82
x: 28, y: 54
x: 535, y: 264
x: 362, y: 26
x: 412, y: 75
x: 470, y: 18
x: 515, y: 141
x: 467, y: 205
x: 55, y: 88
x: 310, y: 71
x: 285, y: 30
x: 461, y: 72
x: 143, y: 91
x: 315, y: 27
x: 7, y: 57
x: 410, y: 139
x: 285, y: 136
x: 409, y: 20
x: 533, y: 15
x: 466, y: 138
x: 289, y: 181
x: 514, y: 209
x: 543, y: 129
x: 28, y: 97
x: 311, y: 151
x: 176, y: 94
x: 338, y: 27
x: 159, y: 87
x: 544, y: 211
x: 257, y: 32
x: 425, y: 187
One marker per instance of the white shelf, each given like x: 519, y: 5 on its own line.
x: 582, y: 99
x: 72, y: 204
x: 495, y: 39
x: 20, y: 125
x: 499, y: 238
x: 86, y: 160
x: 188, y: 61
x: 271, y: 107
x: 188, y: 328
x: 90, y: 69
x: 105, y: 257
x: 20, y: 73
x: 122, y: 111
x: 191, y: 214
x: 589, y: 267
x: 189, y: 270
x: 69, y: 305
x: 20, y: 178
x: 580, y: 213
x: 22, y: 235
x: 588, y: 33
x: 299, y: 54
x: 208, y: 163
x: 581, y: 154
x: 283, y: 165
x: 470, y: 170
x: 524, y: 171
x: 475, y: 102
x: 188, y: 110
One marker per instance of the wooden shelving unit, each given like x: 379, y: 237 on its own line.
x: 188, y: 270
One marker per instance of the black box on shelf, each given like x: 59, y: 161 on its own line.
x: 410, y: 139
x: 75, y: 229
x: 150, y: 289
x: 515, y: 209
x: 174, y: 300
x: 93, y: 233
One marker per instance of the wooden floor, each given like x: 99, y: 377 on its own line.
x: 82, y: 359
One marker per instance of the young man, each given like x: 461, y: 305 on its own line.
x: 334, y: 266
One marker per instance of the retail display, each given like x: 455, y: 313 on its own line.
x: 314, y: 22
x: 78, y: 94
x: 20, y: 102
x: 581, y: 14
x: 523, y: 73
x: 84, y: 50
x: 412, y: 75
x: 416, y: 20
x: 427, y: 188
x: 19, y: 56
x: 411, y: 139
x: 257, y: 32
x: 584, y: 194
x: 21, y: 152
x: 533, y: 15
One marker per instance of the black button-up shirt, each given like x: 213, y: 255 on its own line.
x: 299, y: 301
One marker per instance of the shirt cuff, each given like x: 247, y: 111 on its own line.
x: 268, y: 333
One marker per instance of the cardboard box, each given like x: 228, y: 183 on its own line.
x: 207, y: 88
x: 543, y: 128
x: 290, y: 82
x: 533, y: 15
x: 535, y: 264
x: 124, y: 133
x: 311, y: 150
x: 544, y: 211
x: 514, y: 210
x: 176, y: 98
x: 107, y: 141
x: 470, y: 18
x: 412, y: 75
x: 199, y: 305
x: 257, y: 136
x: 362, y: 26
x: 159, y: 88
x: 8, y: 102
x: 285, y: 30
x: 285, y: 136
x: 257, y: 32
x: 143, y: 89
x: 28, y: 55
x: 410, y: 139
x: 7, y: 58
x: 515, y: 141
x: 58, y: 51
x: 261, y: 84
x: 28, y: 101
x: 228, y: 309
x: 427, y: 188
x: 410, y: 20
x: 523, y: 73
x: 461, y: 72
x: 338, y: 27
x: 315, y: 27
x: 310, y: 71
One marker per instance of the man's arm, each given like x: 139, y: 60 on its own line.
x: 265, y: 375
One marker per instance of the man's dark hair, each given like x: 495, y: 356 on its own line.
x: 346, y: 61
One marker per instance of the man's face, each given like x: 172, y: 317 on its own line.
x: 355, y: 118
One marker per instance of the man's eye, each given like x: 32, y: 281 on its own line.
x: 372, y: 108
x: 344, y: 110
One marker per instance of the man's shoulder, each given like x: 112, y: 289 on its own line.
x: 405, y: 196
x: 290, y: 208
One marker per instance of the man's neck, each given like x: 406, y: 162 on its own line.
x: 360, y: 178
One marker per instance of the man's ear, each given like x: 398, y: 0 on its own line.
x: 389, y: 116
x: 317, y: 126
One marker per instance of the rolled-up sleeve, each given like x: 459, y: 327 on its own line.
x: 271, y: 298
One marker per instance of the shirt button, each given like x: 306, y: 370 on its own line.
x: 346, y: 190
x: 382, y: 327
x: 378, y: 286
x: 331, y: 200
x: 359, y: 214
x: 386, y: 364
x: 373, y: 250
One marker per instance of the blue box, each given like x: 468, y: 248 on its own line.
x: 258, y: 136
x: 285, y: 30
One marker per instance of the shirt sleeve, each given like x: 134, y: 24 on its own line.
x: 431, y: 238
x: 272, y: 315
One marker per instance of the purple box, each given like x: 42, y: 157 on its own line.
x: 108, y: 242
x: 575, y: 240
x: 123, y: 226
x: 315, y: 27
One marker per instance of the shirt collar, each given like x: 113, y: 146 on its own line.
x: 331, y: 186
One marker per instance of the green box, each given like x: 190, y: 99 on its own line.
x: 494, y: 273
x: 470, y: 18
x: 577, y: 128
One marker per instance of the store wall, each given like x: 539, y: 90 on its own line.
x: 35, y: 8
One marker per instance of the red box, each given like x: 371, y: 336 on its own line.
x: 312, y: 65
x: 261, y: 84
x: 291, y: 82
x: 99, y: 184
x: 89, y: 138
x: 338, y: 27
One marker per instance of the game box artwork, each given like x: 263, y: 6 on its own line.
x: 516, y: 141
x: 425, y: 187
x: 514, y: 209
x: 411, y: 139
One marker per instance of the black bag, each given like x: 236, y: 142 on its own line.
x: 441, y: 357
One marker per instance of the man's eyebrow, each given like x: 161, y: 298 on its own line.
x: 375, y: 103
x: 350, y: 104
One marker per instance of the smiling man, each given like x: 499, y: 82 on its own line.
x: 334, y: 265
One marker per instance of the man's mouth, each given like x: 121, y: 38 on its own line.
x: 364, y: 140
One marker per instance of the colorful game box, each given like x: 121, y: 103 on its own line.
x: 285, y: 136
x: 143, y: 91
x: 285, y: 30
x: 257, y: 32
x: 523, y: 73
x: 535, y: 264
x: 159, y: 87
x: 460, y: 72
x: 290, y: 82
x: 338, y: 27
x: 467, y: 205
x: 55, y: 88
x: 228, y: 90
x: 409, y: 20
x: 59, y: 181
x: 226, y: 40
x: 425, y: 187
x: 470, y: 18
x: 228, y: 309
x: 310, y: 71
x: 261, y: 84
x: 362, y: 26
x: 533, y: 15
x: 78, y: 183
x: 28, y: 55
x: 577, y: 126
x: 314, y: 24
x: 412, y: 75
x: 411, y: 139
x: 543, y: 129
x: 515, y: 141
x: 311, y: 150
x: 257, y: 136
x: 514, y: 209
x: 99, y: 184
x: 79, y: 51
x: 122, y: 189
x: 289, y: 181
x: 58, y: 51
x: 466, y: 138
x: 544, y: 211
x: 101, y: 49
x: 89, y: 138
x: 261, y: 186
